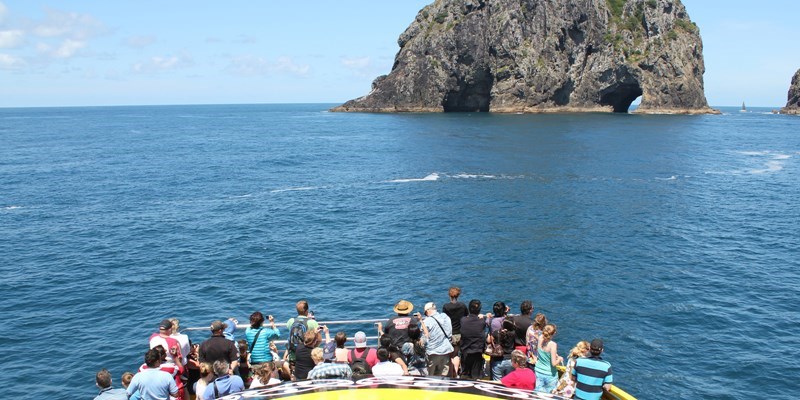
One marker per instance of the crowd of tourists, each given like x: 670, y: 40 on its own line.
x: 459, y: 341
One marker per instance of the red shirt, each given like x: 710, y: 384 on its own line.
x: 522, y: 378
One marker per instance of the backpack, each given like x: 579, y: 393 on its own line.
x: 360, y: 362
x: 296, y: 333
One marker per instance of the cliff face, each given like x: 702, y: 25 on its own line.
x: 544, y: 56
x: 793, y: 103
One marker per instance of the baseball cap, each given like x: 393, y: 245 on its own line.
x: 360, y: 339
x: 218, y: 326
x: 430, y: 306
x: 165, y: 324
x: 597, y: 344
x: 329, y: 352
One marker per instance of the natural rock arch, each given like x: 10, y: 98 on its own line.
x: 544, y: 56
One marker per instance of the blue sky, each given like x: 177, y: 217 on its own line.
x: 71, y: 53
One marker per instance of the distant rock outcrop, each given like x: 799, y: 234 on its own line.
x: 544, y: 56
x: 793, y: 103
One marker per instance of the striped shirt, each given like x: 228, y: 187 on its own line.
x: 591, y: 374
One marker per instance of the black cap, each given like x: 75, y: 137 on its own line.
x: 597, y: 344
x: 165, y: 324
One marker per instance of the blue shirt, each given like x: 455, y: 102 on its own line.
x: 225, y: 385
x: 153, y: 384
x: 112, y: 394
x: 591, y: 374
x: 261, y: 352
x: 439, y: 329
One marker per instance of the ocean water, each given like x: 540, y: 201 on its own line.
x: 674, y: 238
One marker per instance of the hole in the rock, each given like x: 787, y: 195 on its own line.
x: 471, y: 96
x: 621, y: 97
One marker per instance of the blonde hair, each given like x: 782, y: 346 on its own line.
x: 549, y: 331
x: 311, y: 338
x: 539, y: 321
x: 316, y: 354
x: 175, y: 324
x: 206, y: 369
x: 579, y: 350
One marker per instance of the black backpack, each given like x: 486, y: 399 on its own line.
x: 297, y: 332
x: 361, y: 362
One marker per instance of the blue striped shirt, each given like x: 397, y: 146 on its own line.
x: 260, y: 352
x: 591, y: 374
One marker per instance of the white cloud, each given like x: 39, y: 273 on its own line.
x: 161, y: 64
x: 66, y: 49
x: 10, y: 62
x: 140, y: 41
x: 3, y: 12
x: 72, y: 25
x: 357, y: 63
x: 11, y: 39
x: 258, y: 66
x: 360, y: 66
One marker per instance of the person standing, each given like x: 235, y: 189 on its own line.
x: 103, y: 382
x: 547, y: 360
x: 152, y: 383
x: 298, y: 327
x: 473, y: 341
x: 164, y: 338
x: 258, y: 338
x: 455, y: 310
x: 521, y: 324
x: 183, y: 340
x: 593, y: 374
x: 397, y: 326
x: 439, y: 347
x: 218, y: 348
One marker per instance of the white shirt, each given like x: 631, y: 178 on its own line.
x: 184, y: 342
x: 387, y: 368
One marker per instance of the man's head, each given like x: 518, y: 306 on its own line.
x: 403, y: 307
x: 526, y: 308
x: 596, y: 347
x: 475, y: 307
x: 221, y: 367
x: 217, y: 327
x: 165, y: 327
x: 383, y: 354
x: 152, y: 358
x: 518, y: 359
x: 430, y: 308
x: 103, y: 379
x: 302, y: 307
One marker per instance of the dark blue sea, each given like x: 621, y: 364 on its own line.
x: 674, y: 238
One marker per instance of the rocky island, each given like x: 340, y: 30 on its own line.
x: 544, y: 56
x: 793, y: 103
